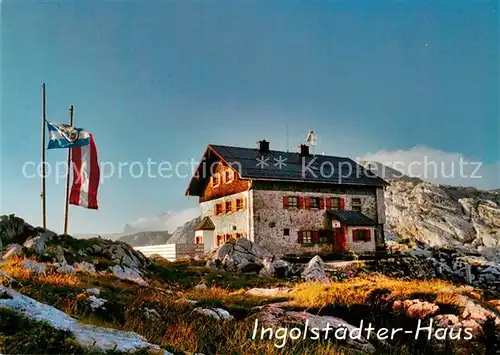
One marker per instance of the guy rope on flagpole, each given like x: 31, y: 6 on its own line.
x: 42, y: 194
x: 66, y: 205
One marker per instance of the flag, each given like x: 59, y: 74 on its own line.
x: 86, y: 175
x: 64, y: 136
x: 311, y: 138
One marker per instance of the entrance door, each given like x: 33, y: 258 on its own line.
x: 340, y: 240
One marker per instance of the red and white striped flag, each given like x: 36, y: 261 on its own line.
x: 86, y: 175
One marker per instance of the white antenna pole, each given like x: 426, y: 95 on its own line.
x: 286, y: 136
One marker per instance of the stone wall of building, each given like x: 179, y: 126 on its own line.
x: 270, y: 218
x: 380, y: 205
x: 228, y: 222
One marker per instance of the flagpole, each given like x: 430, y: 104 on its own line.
x: 66, y: 205
x: 42, y: 194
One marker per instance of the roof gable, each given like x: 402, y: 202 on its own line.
x: 205, y: 224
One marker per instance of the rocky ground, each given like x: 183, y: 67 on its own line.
x: 64, y: 295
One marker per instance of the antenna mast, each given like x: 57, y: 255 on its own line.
x: 286, y: 134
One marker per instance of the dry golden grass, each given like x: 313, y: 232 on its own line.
x: 217, y: 295
x: 14, y: 269
x: 181, y: 330
x: 357, y: 291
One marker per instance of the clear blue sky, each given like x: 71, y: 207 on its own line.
x: 162, y: 80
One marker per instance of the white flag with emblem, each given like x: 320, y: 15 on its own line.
x: 311, y: 138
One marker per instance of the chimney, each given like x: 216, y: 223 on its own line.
x: 303, y: 150
x: 263, y: 146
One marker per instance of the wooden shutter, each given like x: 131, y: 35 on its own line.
x: 308, y: 202
x: 315, y: 237
x: 341, y: 203
x: 321, y: 203
x: 328, y: 203
x: 215, y: 209
x: 285, y: 201
x: 233, y: 205
x: 368, y: 235
x: 300, y: 201
x: 300, y: 237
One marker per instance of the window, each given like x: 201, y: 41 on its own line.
x: 215, y: 180
x: 286, y: 231
x: 307, y: 237
x: 356, y: 204
x: 223, y: 238
x: 334, y: 203
x: 361, y: 235
x: 199, y: 240
x: 239, y: 204
x: 290, y: 201
x: 228, y: 205
x: 228, y: 176
x: 325, y: 236
x: 218, y: 209
x: 313, y: 202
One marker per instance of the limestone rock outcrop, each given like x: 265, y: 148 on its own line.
x: 440, y: 215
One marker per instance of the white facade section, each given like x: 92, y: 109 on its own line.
x: 228, y: 222
x: 208, y: 238
x: 360, y: 247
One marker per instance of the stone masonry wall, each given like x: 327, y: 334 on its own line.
x: 270, y: 219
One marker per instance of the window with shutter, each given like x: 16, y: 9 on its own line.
x: 361, y: 235
x: 334, y: 203
x: 218, y: 208
x: 300, y: 202
x: 307, y: 237
x: 216, y: 180
x: 228, y: 206
x: 314, y: 202
x: 293, y: 201
x: 228, y: 176
x: 285, y: 201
